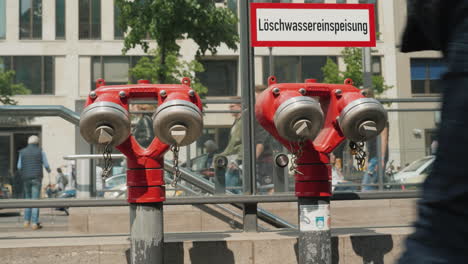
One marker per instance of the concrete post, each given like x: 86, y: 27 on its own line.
x: 147, y: 239
x: 314, y: 245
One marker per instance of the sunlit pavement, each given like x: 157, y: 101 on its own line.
x: 11, y: 220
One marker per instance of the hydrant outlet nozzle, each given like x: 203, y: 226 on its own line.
x: 303, y: 128
x: 368, y: 129
x: 178, y: 133
x: 105, y: 134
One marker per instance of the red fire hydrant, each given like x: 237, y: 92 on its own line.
x: 177, y: 121
x: 311, y: 119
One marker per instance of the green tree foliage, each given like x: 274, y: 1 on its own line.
x: 175, y: 69
x: 353, y: 60
x: 8, y: 88
x: 168, y: 21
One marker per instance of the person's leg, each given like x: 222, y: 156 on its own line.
x: 264, y: 176
x: 441, y: 229
x: 418, y: 253
x: 27, y: 195
x: 232, y: 179
x: 370, y: 177
x: 35, y: 193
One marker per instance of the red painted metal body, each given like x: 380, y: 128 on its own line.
x: 314, y: 164
x: 145, y: 175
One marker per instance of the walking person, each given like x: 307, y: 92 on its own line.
x: 61, y: 180
x: 441, y: 228
x: 30, y: 162
x: 233, y: 150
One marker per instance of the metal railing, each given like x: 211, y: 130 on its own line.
x: 215, y: 199
x: 239, y: 201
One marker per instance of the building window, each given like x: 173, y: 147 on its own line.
x: 220, y: 77
x: 376, y: 65
x: 35, y: 72
x: 232, y: 5
x: 2, y: 19
x: 426, y: 75
x: 90, y: 19
x: 314, y: 1
x: 60, y: 19
x: 113, y: 69
x: 341, y: 1
x: 296, y: 68
x: 118, y: 32
x: 376, y: 11
x: 30, y: 19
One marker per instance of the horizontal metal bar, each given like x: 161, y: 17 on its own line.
x: 221, y: 111
x: 236, y: 111
x: 413, y: 110
x: 143, y: 101
x: 205, y: 101
x: 238, y: 101
x: 59, y: 203
x: 219, y: 199
x: 204, y: 111
x: 41, y: 110
x: 92, y: 156
x: 375, y: 195
x: 411, y: 100
x: 375, y: 184
x: 221, y: 101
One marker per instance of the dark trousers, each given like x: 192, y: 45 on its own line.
x: 441, y: 231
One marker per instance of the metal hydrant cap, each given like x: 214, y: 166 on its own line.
x: 299, y: 118
x: 178, y: 121
x: 105, y: 122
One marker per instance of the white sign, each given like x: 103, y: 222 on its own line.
x: 312, y: 25
x: 314, y: 217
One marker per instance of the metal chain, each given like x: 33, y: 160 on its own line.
x: 108, y: 164
x: 357, y: 150
x: 296, y: 155
x: 175, y: 151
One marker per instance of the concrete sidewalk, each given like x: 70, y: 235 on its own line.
x: 205, y: 235
x: 349, y: 245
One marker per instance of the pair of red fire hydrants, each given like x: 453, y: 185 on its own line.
x: 310, y: 119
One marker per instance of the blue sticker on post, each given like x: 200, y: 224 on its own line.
x: 314, y: 217
x: 320, y: 222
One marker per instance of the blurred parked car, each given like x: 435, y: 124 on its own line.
x: 416, y: 172
x: 115, y: 186
x: 116, y: 180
